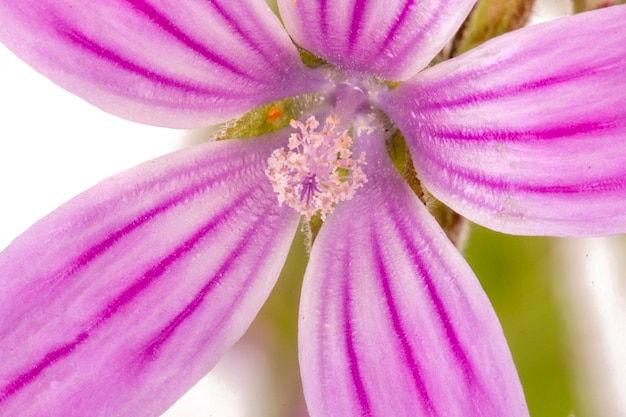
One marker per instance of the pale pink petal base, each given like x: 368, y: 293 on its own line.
x: 392, y: 321
x: 123, y: 298
x: 392, y: 39
x: 527, y: 133
x: 168, y: 63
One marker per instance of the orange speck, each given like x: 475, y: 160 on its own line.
x: 273, y: 114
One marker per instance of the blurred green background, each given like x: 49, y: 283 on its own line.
x: 517, y: 275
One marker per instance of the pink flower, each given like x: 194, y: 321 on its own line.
x: 119, y: 301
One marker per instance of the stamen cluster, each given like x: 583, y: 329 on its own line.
x: 317, y: 170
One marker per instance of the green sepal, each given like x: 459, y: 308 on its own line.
x: 261, y: 120
x: 453, y: 224
x: 309, y: 58
x: 587, y: 5
x: 490, y: 18
x: 310, y: 229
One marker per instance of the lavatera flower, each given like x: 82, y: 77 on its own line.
x: 119, y: 301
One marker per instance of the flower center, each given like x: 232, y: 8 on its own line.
x: 317, y: 169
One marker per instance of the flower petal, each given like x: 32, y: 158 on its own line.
x: 527, y: 133
x: 392, y: 39
x: 392, y: 321
x: 168, y: 63
x: 123, y: 298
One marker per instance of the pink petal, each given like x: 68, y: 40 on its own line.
x: 392, y: 39
x: 393, y: 322
x: 527, y: 133
x: 168, y: 63
x: 123, y: 298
